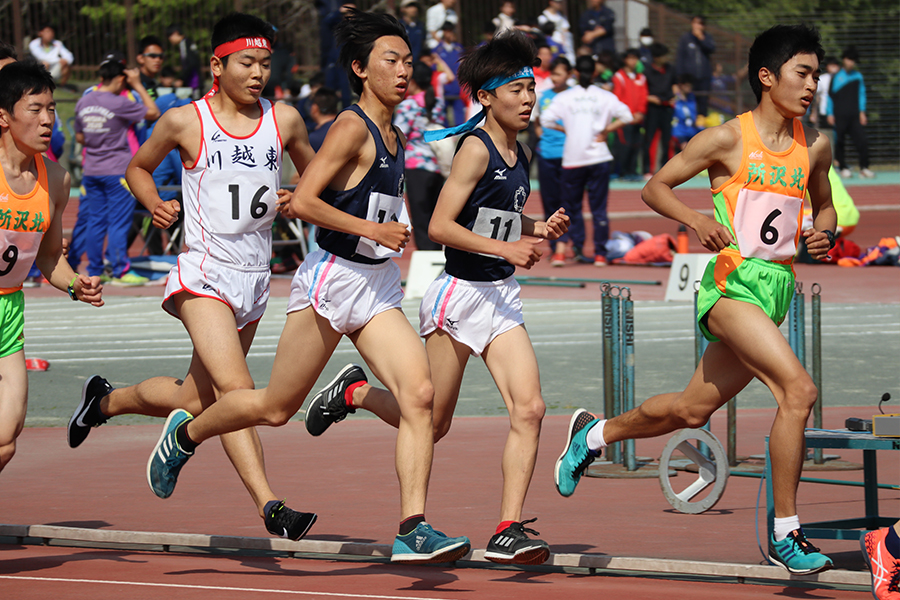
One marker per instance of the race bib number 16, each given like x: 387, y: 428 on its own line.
x: 382, y: 208
x: 242, y: 206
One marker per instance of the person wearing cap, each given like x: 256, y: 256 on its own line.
x: 415, y: 29
x: 847, y: 114
x: 102, y: 121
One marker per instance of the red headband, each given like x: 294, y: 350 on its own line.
x: 239, y: 44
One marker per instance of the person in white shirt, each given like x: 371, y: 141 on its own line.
x: 588, y: 114
x: 51, y: 52
x: 506, y: 19
x: 435, y: 17
x: 562, y: 32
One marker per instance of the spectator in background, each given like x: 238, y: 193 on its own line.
x: 550, y: 152
x: 506, y: 19
x: 684, y: 125
x: 55, y: 57
x: 547, y: 29
x: 102, y: 119
x: 421, y: 110
x: 316, y: 81
x: 542, y: 80
x: 189, y: 59
x: 415, y: 29
x: 449, y: 51
x: 562, y: 29
x: 335, y: 77
x: 435, y: 19
x: 630, y: 87
x: 723, y: 90
x: 694, y: 50
x: 607, y: 65
x: 819, y: 115
x: 646, y: 40
x: 8, y: 54
x: 150, y: 57
x: 282, y: 67
x: 847, y: 114
x: 660, y: 79
x: 323, y: 110
x: 588, y: 114
x: 598, y: 27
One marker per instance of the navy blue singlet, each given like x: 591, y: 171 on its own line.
x: 502, y: 189
x: 386, y: 175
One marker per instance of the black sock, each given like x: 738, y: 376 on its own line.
x: 892, y: 542
x: 184, y: 440
x: 408, y: 525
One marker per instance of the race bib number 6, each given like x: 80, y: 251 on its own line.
x: 766, y: 224
x: 382, y: 208
x: 242, y: 206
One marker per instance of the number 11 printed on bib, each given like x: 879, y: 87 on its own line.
x: 382, y: 208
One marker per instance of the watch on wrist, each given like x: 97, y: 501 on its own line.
x: 830, y: 235
x: 71, y: 289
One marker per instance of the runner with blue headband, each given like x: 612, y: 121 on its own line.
x: 473, y: 308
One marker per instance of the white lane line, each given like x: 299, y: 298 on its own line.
x: 215, y: 588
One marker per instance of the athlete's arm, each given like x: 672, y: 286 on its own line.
x: 824, y: 214
x: 50, y: 259
x: 703, y: 151
x: 337, y: 160
x: 468, y: 168
x: 169, y: 133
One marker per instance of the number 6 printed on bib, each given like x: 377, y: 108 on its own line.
x: 766, y: 225
x: 382, y: 208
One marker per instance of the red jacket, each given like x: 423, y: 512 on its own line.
x: 632, y: 92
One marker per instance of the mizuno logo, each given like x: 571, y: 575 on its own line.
x: 451, y: 324
x: 756, y: 155
x: 500, y: 174
x: 383, y: 164
x: 218, y: 137
x: 208, y: 287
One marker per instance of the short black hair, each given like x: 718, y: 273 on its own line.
x: 46, y: 25
x: 850, y: 52
x: 327, y: 100
x: 777, y: 45
x: 685, y: 78
x: 356, y: 35
x: 506, y: 53
x: 23, y: 78
x: 174, y: 28
x: 585, y: 67
x: 110, y: 70
x: 235, y: 26
x: 561, y: 60
x: 147, y: 41
x: 317, y: 78
x: 7, y: 50
x: 657, y: 49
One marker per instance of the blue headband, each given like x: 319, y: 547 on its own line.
x: 490, y: 84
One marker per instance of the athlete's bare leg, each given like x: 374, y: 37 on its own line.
x: 511, y: 360
x: 13, y: 403
x: 396, y: 356
x: 751, y: 346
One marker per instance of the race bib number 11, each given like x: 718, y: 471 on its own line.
x: 503, y: 225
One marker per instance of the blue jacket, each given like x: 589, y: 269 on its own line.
x: 847, y: 94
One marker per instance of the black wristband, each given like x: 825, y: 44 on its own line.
x: 830, y: 235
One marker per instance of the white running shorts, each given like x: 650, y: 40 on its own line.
x: 473, y: 312
x: 245, y: 290
x: 346, y: 293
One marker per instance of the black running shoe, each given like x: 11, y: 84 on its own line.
x: 287, y: 523
x: 512, y: 546
x: 88, y: 413
x: 329, y: 406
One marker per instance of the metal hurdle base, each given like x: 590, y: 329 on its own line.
x: 647, y: 468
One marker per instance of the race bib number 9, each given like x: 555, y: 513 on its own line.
x: 767, y: 224
x: 382, y: 208
x: 17, y: 252
x: 242, y: 205
x: 503, y: 225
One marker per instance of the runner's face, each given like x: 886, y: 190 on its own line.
x: 389, y: 70
x: 245, y: 75
x: 31, y: 124
x: 795, y: 90
x: 513, y: 102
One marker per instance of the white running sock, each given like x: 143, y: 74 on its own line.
x: 594, y: 437
x: 784, y: 526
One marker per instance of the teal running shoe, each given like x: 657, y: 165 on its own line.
x: 167, y: 457
x: 576, y: 457
x: 423, y: 545
x: 797, y: 555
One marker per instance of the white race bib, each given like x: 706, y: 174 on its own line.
x: 503, y: 225
x: 766, y: 224
x: 382, y: 208
x: 245, y: 204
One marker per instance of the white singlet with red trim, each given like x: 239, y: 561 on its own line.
x: 231, y: 190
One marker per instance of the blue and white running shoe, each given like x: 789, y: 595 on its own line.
x: 167, y: 457
x: 424, y: 545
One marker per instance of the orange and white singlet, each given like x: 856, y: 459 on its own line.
x: 762, y: 203
x: 23, y: 221
x: 231, y: 190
